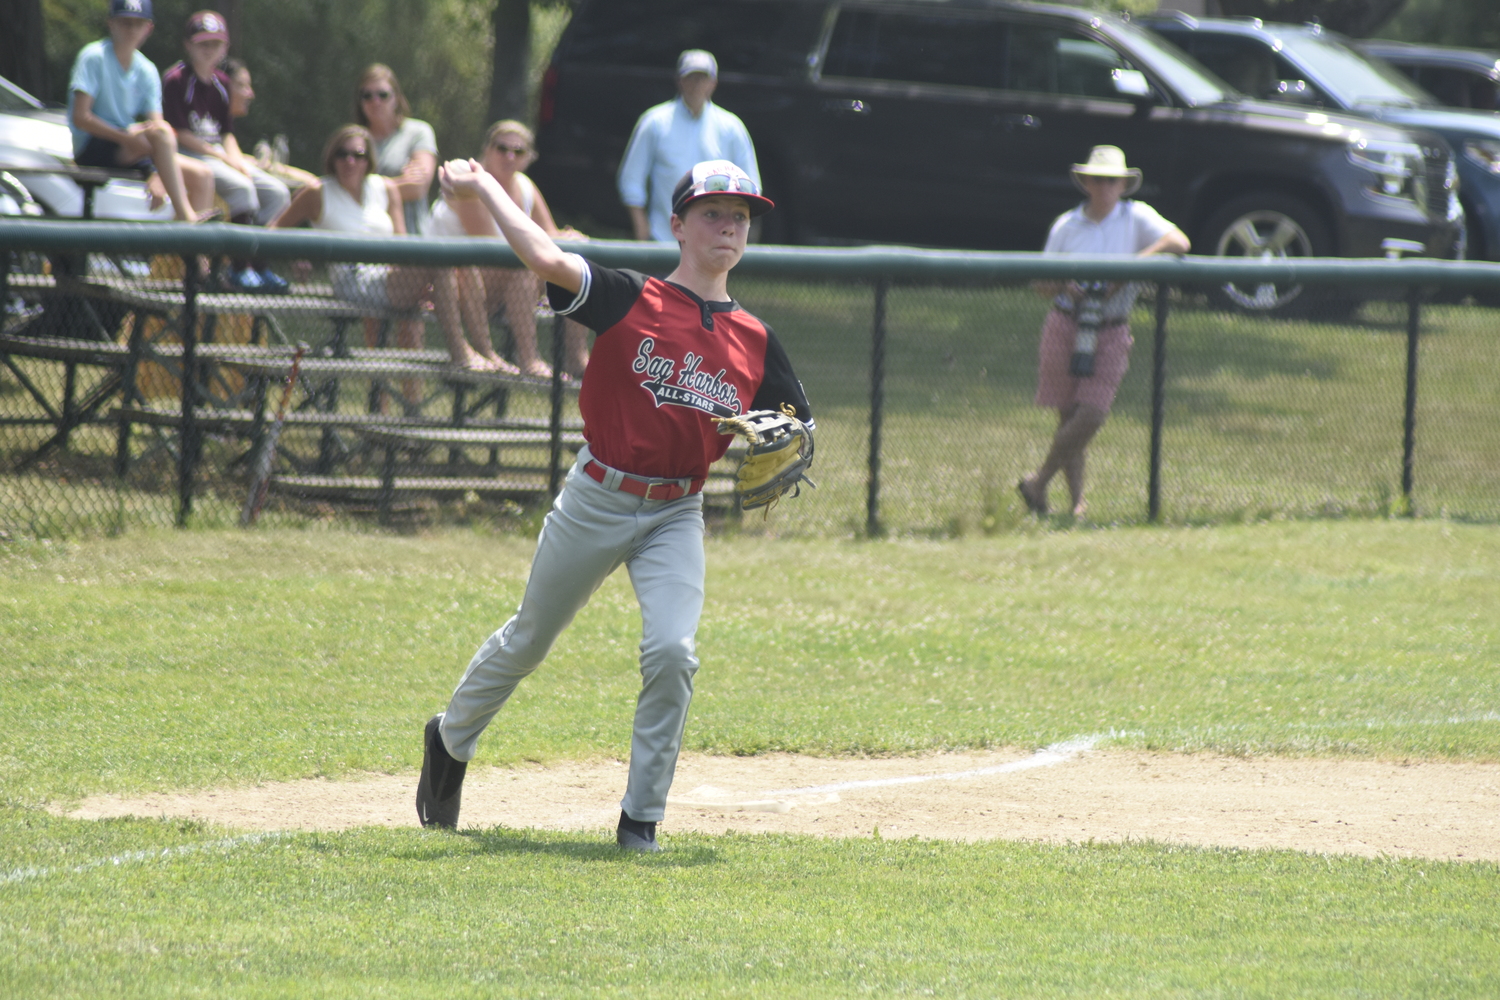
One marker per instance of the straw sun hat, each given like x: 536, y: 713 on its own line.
x: 1107, y: 161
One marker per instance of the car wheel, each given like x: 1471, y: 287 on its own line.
x: 1259, y: 226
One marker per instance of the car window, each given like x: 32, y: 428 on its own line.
x: 917, y: 48
x: 746, y: 36
x: 1456, y: 87
x: 1195, y: 84
x: 14, y: 99
x: 1244, y: 63
x: 969, y: 52
x: 1049, y: 61
x: 1350, y: 78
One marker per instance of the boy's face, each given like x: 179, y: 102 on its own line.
x: 717, y: 225
x: 206, y: 53
x: 129, y: 32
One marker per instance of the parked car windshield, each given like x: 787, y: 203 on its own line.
x: 1350, y: 78
x: 14, y: 99
x: 1192, y: 81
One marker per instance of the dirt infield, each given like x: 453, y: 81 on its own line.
x: 1436, y: 810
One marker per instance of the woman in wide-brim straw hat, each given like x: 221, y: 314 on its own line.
x: 1106, y: 223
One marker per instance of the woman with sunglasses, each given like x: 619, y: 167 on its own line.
x: 405, y: 147
x: 350, y: 198
x: 671, y: 355
x: 509, y: 148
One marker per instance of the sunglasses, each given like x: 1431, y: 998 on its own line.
x: 715, y: 183
x: 375, y: 95
x: 505, y: 150
x: 351, y: 154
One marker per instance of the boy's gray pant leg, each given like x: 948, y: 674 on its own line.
x: 667, y: 573
x: 572, y: 559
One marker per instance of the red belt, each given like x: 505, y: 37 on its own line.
x: 649, y: 489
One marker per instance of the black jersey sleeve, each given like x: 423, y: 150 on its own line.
x: 780, y: 384
x: 606, y: 296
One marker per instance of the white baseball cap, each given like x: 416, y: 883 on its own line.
x: 697, y: 61
x: 712, y: 177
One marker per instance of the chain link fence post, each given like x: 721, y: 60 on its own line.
x: 1409, y: 418
x: 187, y: 456
x: 873, y: 527
x: 1158, y: 402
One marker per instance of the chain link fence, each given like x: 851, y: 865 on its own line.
x: 137, y: 388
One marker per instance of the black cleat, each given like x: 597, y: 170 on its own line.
x: 441, y: 786
x: 636, y: 835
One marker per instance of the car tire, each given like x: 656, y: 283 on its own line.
x: 1479, y: 249
x: 1263, y: 224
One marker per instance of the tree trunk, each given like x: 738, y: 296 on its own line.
x: 512, y: 62
x: 22, y: 54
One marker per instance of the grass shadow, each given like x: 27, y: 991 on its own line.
x: 500, y: 840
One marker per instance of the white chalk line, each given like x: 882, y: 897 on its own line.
x: 1048, y: 756
x: 784, y: 799
x: 134, y: 857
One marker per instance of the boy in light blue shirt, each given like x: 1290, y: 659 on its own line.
x: 111, y: 88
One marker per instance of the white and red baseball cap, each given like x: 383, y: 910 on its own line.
x: 207, y: 24
x: 712, y: 177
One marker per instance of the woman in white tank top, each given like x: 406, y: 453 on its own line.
x: 350, y: 198
x: 509, y: 148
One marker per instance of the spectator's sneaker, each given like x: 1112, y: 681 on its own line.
x: 272, y: 282
x: 636, y: 835
x: 245, y: 279
x: 440, y: 788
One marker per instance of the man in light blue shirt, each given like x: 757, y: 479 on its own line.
x: 670, y: 138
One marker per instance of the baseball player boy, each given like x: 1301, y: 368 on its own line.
x: 671, y: 354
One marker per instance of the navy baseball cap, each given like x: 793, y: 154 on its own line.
x: 131, y: 8
x: 713, y: 177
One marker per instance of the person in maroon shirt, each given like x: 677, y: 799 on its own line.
x: 195, y: 97
x: 671, y: 354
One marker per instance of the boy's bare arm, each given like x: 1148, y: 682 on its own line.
x: 85, y: 119
x: 462, y: 179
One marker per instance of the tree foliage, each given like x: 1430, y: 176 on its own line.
x: 1469, y: 23
x: 1357, y: 18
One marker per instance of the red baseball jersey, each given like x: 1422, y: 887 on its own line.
x: 665, y: 363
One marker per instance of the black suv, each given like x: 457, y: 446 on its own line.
x: 1305, y: 65
x: 954, y: 125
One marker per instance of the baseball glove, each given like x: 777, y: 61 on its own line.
x: 781, y: 449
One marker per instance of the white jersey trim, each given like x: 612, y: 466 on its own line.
x: 586, y: 278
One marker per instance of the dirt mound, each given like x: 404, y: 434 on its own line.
x: 1064, y: 793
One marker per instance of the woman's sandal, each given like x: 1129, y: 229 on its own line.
x: 1037, y: 507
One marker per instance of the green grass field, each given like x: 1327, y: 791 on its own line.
x: 202, y: 659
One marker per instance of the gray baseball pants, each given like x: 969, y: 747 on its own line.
x: 588, y: 533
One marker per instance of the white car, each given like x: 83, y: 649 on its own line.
x: 35, y: 142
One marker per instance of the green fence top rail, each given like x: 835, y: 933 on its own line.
x: 903, y: 264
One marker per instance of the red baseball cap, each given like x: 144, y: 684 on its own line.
x: 207, y: 24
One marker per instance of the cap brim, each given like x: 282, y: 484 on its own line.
x: 1132, y: 175
x: 759, y: 204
